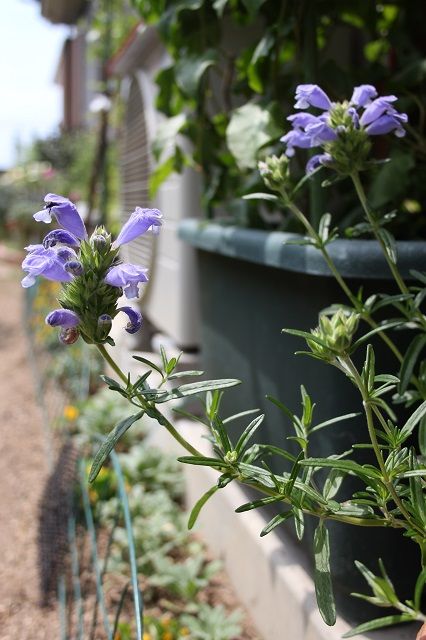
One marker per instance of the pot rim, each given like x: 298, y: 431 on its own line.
x: 354, y: 258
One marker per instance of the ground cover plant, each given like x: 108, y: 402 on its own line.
x: 94, y: 278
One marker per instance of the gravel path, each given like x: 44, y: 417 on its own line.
x: 23, y: 468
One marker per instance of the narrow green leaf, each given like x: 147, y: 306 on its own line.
x: 148, y: 363
x: 344, y: 465
x: 322, y: 576
x: 113, y: 384
x: 281, y: 406
x: 260, y: 196
x: 215, y: 463
x: 389, y: 244
x: 422, y: 436
x: 256, y: 504
x: 242, y: 414
x: 248, y: 433
x: 412, y: 421
x: 326, y: 423
x: 333, y: 483
x: 110, y: 442
x: 200, y: 504
x: 277, y: 520
x: 412, y: 355
x: 185, y: 374
x: 378, y: 623
x: 418, y: 591
x: 381, y: 328
x: 299, y: 522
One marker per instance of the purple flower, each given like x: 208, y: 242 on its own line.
x: 74, y: 267
x: 296, y: 138
x: 128, y: 276
x: 320, y: 132
x: 46, y: 263
x: 363, y: 95
x: 139, y: 222
x: 311, y: 95
x: 317, y: 160
x: 60, y: 236
x: 62, y: 318
x: 387, y: 123
x: 65, y: 213
x: 135, y: 319
x: 377, y: 108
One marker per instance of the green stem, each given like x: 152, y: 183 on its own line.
x: 372, y: 433
x: 376, y: 229
x: 152, y: 410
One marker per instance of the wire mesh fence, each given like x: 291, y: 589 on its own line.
x: 74, y: 551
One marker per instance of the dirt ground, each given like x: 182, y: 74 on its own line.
x: 23, y: 464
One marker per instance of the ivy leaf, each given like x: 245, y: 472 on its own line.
x: 250, y: 128
x: 190, y: 70
x: 166, y: 134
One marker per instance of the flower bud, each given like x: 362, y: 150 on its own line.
x: 104, y: 326
x: 336, y: 334
x: 275, y: 172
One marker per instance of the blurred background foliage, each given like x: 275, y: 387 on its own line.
x: 234, y: 68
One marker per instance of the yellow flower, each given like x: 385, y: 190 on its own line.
x: 184, y: 631
x: 147, y: 636
x: 70, y: 412
x: 167, y: 636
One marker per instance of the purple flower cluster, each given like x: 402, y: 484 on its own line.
x: 365, y: 114
x: 63, y: 256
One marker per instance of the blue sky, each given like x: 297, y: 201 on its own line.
x: 30, y: 103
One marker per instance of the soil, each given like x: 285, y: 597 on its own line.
x: 24, y: 466
x: 24, y: 460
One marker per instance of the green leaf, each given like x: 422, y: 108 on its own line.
x: 260, y: 54
x: 322, y: 577
x: 250, y: 128
x: 110, y: 442
x: 253, y: 6
x: 389, y: 244
x: 256, y: 504
x: 242, y: 414
x: 160, y: 174
x: 412, y: 421
x: 277, y: 520
x: 383, y: 327
x: 200, y: 504
x: 219, y: 6
x: 261, y: 196
x: 411, y: 356
x: 299, y: 522
x: 185, y: 374
x: 150, y: 364
x: 418, y: 591
x: 166, y: 134
x: 422, y: 436
x: 189, y: 71
x: 190, y: 389
x: 112, y: 384
x: 378, y: 623
x: 344, y: 465
x: 326, y: 423
x: 333, y: 483
x: 248, y: 433
x: 392, y: 180
x: 215, y: 463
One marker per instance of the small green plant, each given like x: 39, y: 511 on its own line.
x: 212, y: 623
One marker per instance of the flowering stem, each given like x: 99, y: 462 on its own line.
x: 149, y: 408
x: 329, y: 261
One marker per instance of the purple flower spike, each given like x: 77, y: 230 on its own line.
x: 317, y: 160
x: 64, y: 318
x: 296, y: 138
x: 135, y: 319
x: 44, y: 263
x: 65, y: 213
x: 139, y: 222
x: 363, y: 95
x: 128, y: 276
x: 311, y: 95
x: 60, y: 236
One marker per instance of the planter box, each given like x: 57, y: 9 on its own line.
x: 251, y: 286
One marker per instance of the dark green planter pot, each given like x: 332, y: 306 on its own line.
x: 251, y: 286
